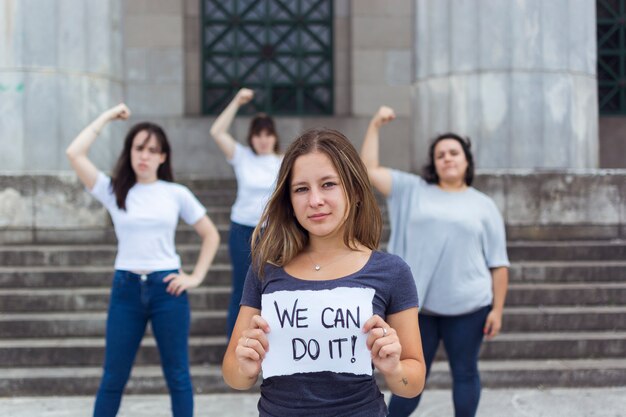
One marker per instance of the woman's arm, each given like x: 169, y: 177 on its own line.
x: 379, y: 176
x: 493, y: 324
x: 246, y: 350
x: 219, y: 129
x: 210, y: 242
x: 78, y: 149
x: 397, y: 351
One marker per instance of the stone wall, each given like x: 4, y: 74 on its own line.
x: 573, y: 205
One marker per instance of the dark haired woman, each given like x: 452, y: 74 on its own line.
x: 321, y: 232
x: 149, y: 285
x: 256, y: 166
x: 452, y: 236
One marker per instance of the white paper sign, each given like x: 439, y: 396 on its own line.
x: 313, y: 331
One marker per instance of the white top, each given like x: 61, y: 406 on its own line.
x: 145, y: 231
x: 450, y: 240
x: 256, y: 179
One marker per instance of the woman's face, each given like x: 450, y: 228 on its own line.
x: 318, y: 197
x: 450, y: 161
x: 263, y: 142
x: 146, y: 156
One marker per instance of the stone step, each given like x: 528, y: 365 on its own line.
x: 564, y: 319
x: 99, y: 235
x: 90, y: 351
x: 146, y: 379
x: 211, y: 296
x: 568, y: 250
x: 104, y: 254
x: 568, y: 271
x: 522, y: 272
x: 538, y: 294
x: 88, y: 255
x: 85, y: 276
x: 82, y: 324
x: 206, y: 297
x: 213, y: 322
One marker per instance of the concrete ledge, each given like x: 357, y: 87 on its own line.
x: 546, y: 205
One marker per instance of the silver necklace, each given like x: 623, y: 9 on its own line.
x: 317, y: 267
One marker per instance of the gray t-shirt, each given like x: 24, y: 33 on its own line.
x: 449, y: 239
x: 325, y: 394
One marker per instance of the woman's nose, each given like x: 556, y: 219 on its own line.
x: 315, y: 198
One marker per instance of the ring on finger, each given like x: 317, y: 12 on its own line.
x: 384, y: 331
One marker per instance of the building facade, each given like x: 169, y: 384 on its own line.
x: 518, y: 77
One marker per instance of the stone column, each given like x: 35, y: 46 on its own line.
x: 518, y: 77
x: 60, y: 66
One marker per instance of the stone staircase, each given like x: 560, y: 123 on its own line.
x: 565, y: 318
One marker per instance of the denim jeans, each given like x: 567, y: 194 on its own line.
x: 462, y: 336
x: 135, y: 300
x: 239, y: 249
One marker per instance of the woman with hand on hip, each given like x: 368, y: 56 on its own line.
x: 453, y: 237
x: 321, y: 230
x: 256, y: 166
x: 149, y: 285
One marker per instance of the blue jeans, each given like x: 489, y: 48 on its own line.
x: 462, y: 336
x: 239, y: 249
x: 135, y: 300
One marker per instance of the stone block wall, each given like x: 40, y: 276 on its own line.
x: 382, y: 38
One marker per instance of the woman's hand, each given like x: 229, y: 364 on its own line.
x: 244, y: 96
x: 119, y: 112
x: 383, y: 116
x: 384, y: 344
x: 179, y: 283
x: 252, y: 347
x: 493, y: 324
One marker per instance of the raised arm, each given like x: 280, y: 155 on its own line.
x: 78, y: 149
x: 379, y: 176
x: 219, y: 129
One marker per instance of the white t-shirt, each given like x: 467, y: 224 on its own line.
x: 256, y: 179
x: 145, y: 231
x: 450, y: 240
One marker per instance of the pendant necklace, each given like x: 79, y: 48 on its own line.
x: 317, y: 267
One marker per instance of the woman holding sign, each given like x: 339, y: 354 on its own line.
x: 321, y: 230
x: 453, y: 237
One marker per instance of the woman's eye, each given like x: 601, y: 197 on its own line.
x: 299, y: 189
x: 329, y: 184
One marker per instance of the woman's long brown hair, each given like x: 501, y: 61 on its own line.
x: 278, y: 237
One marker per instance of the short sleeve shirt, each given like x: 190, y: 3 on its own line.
x: 256, y: 179
x: 450, y: 240
x: 145, y: 230
x: 325, y: 394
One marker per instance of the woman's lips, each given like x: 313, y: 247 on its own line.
x: 319, y: 216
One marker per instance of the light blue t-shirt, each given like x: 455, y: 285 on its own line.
x: 449, y: 239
